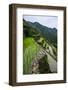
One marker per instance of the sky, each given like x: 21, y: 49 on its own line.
x: 49, y: 21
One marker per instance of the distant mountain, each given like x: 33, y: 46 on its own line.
x: 29, y: 30
x: 50, y: 34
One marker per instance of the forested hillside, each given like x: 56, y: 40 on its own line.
x: 38, y: 41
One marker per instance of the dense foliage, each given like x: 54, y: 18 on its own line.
x: 35, y: 37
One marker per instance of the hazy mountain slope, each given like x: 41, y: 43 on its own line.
x: 35, y: 37
x: 49, y: 33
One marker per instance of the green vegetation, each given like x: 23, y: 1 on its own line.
x: 49, y: 33
x: 31, y: 49
x: 35, y: 37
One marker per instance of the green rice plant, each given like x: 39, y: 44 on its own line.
x: 30, y: 52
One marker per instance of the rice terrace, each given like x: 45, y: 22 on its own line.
x: 39, y: 44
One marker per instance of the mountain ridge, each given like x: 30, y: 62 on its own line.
x: 49, y: 33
